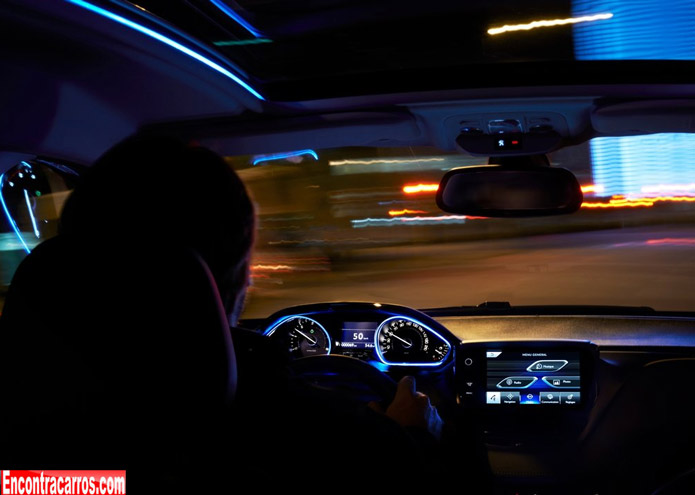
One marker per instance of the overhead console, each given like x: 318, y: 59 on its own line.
x: 515, y: 134
x: 528, y: 376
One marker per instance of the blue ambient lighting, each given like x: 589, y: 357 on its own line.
x: 383, y: 359
x: 168, y: 41
x: 237, y: 18
x: 10, y: 219
x: 271, y: 330
x: 282, y: 156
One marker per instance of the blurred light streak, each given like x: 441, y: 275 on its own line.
x: 420, y: 188
x: 394, y: 164
x: 259, y: 275
x: 620, y: 201
x: 384, y: 161
x: 671, y: 241
x: 167, y: 41
x: 257, y: 41
x: 283, y: 156
x: 668, y: 188
x: 273, y: 268
x: 547, y: 23
x: 591, y: 188
x: 397, y: 213
x: 232, y: 14
x: 389, y: 222
x: 13, y: 224
x: 31, y: 215
x: 284, y: 265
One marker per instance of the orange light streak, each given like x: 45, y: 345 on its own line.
x: 420, y: 188
x: 547, y: 23
x: 620, y: 201
x: 398, y: 213
x: 274, y: 268
x: 591, y: 188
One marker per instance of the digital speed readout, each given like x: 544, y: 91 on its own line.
x: 358, y: 335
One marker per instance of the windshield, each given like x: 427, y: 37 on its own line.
x: 361, y: 224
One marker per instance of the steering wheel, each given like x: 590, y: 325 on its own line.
x: 351, y: 377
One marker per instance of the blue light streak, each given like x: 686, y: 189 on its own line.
x: 31, y: 215
x: 282, y: 156
x: 9, y: 217
x: 389, y: 363
x: 237, y: 18
x: 168, y: 41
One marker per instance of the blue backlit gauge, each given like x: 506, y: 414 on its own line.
x: 401, y: 341
x: 306, y: 337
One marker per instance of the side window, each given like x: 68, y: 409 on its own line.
x: 32, y: 194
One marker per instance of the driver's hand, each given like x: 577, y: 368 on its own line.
x: 411, y: 408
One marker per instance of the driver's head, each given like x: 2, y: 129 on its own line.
x: 159, y: 192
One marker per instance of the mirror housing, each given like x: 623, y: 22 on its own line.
x: 504, y: 191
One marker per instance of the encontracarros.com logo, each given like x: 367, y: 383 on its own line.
x: 72, y: 482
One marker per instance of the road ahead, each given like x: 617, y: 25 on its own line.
x: 636, y: 267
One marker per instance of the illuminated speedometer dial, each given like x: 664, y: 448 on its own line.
x: 306, y: 337
x: 403, y: 341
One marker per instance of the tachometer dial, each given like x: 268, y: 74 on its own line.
x: 306, y: 337
x: 403, y: 341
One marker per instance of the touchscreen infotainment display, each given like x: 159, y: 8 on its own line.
x: 532, y: 377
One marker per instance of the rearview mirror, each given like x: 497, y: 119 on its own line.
x: 498, y: 191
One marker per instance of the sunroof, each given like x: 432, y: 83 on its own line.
x: 308, y: 49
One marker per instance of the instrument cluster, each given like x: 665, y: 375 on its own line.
x: 382, y: 334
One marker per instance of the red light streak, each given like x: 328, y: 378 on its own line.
x: 674, y: 241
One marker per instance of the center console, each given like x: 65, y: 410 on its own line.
x: 530, y: 401
x: 526, y: 377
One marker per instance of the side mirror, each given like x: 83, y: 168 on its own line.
x: 499, y: 191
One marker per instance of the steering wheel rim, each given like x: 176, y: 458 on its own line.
x: 318, y: 370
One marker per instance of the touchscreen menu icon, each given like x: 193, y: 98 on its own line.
x: 550, y: 397
x: 529, y: 398
x: 493, y: 398
x: 509, y: 397
x: 570, y: 398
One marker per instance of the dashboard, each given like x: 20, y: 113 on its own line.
x: 555, y: 399
x: 548, y: 374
